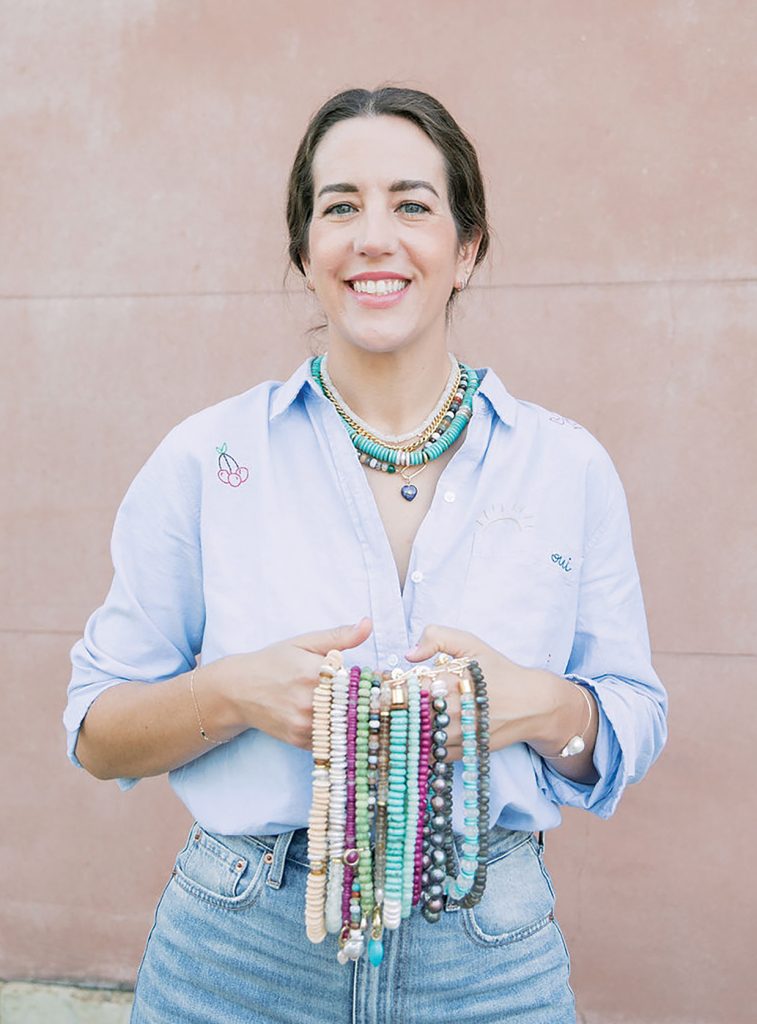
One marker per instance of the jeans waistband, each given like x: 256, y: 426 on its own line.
x: 292, y: 847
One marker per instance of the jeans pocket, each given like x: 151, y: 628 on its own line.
x: 213, y: 871
x: 518, y: 901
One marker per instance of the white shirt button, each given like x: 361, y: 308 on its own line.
x: 392, y: 660
x: 449, y: 496
x: 416, y: 576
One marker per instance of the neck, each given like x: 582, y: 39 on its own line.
x: 391, y: 391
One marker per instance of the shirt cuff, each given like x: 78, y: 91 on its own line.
x: 74, y: 715
x: 600, y: 797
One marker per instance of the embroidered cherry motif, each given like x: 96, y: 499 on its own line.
x: 229, y: 470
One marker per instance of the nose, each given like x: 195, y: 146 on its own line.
x: 376, y: 233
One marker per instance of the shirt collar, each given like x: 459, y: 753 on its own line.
x: 500, y: 399
x: 491, y: 388
x: 287, y: 392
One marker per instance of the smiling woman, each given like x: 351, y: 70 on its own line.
x: 392, y: 246
x: 512, y: 548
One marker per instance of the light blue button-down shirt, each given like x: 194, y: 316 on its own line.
x: 253, y: 522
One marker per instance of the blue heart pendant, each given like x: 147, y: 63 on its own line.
x: 409, y: 491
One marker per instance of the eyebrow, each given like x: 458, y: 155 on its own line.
x: 402, y: 185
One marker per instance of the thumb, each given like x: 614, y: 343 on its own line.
x: 339, y: 638
x: 437, y: 639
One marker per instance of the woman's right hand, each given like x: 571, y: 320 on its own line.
x: 272, y: 689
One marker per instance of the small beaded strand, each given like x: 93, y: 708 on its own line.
x: 411, y: 793
x: 350, y: 853
x: 382, y: 794
x: 315, y: 893
x: 397, y: 821
x: 422, y: 860
x: 440, y: 812
x: 374, y: 727
x: 460, y: 886
x: 362, y: 813
x: 482, y: 737
x: 337, y: 800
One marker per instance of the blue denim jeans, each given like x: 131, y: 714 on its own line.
x: 228, y: 946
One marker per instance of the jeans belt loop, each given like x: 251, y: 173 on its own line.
x: 280, y: 850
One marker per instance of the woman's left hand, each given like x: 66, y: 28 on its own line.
x: 521, y: 700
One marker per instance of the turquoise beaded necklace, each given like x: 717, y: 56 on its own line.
x: 388, y: 459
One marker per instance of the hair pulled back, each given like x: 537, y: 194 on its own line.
x: 465, y: 185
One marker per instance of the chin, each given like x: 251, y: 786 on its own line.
x: 380, y: 342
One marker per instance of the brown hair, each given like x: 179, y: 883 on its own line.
x: 465, y: 185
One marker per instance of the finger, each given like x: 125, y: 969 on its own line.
x: 340, y: 638
x: 435, y: 639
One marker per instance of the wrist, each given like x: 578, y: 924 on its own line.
x: 565, y: 714
x: 215, y: 686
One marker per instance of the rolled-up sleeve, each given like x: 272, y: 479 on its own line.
x: 611, y: 658
x: 151, y: 624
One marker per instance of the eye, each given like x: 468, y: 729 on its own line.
x: 413, y: 208
x: 340, y: 209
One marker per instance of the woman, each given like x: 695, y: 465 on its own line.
x: 254, y: 530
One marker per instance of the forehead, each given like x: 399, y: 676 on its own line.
x: 366, y: 150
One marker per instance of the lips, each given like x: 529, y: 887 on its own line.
x: 378, y: 284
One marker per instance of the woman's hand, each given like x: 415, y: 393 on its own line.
x: 522, y: 701
x: 272, y: 689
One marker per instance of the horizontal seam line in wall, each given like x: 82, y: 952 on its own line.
x: 655, y: 653
x: 511, y: 285
x: 702, y: 654
x: 41, y: 632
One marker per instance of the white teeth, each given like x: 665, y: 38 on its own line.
x: 383, y: 287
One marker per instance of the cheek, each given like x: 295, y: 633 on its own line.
x: 326, y: 251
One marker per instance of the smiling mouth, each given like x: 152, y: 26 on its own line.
x: 387, y: 286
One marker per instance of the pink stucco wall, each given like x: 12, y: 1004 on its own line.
x: 145, y: 146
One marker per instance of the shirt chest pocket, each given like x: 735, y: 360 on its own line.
x: 521, y: 592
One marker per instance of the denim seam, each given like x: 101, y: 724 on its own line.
x: 506, y: 938
x: 241, y: 902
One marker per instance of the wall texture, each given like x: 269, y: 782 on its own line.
x: 145, y: 147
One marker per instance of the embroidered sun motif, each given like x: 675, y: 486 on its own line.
x: 514, y: 516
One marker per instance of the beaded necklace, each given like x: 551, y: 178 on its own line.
x: 482, y: 738
x: 459, y: 887
x: 337, y: 801
x: 350, y: 937
x: 439, y: 817
x: 397, y: 440
x: 411, y: 793
x: 315, y: 893
x: 377, y: 453
x: 362, y: 810
x: 397, y: 819
x: 423, y: 775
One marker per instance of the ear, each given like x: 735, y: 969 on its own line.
x: 466, y: 257
x: 306, y: 268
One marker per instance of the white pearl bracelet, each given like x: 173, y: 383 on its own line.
x: 575, y: 744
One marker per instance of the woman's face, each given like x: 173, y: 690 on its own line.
x: 383, y: 249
